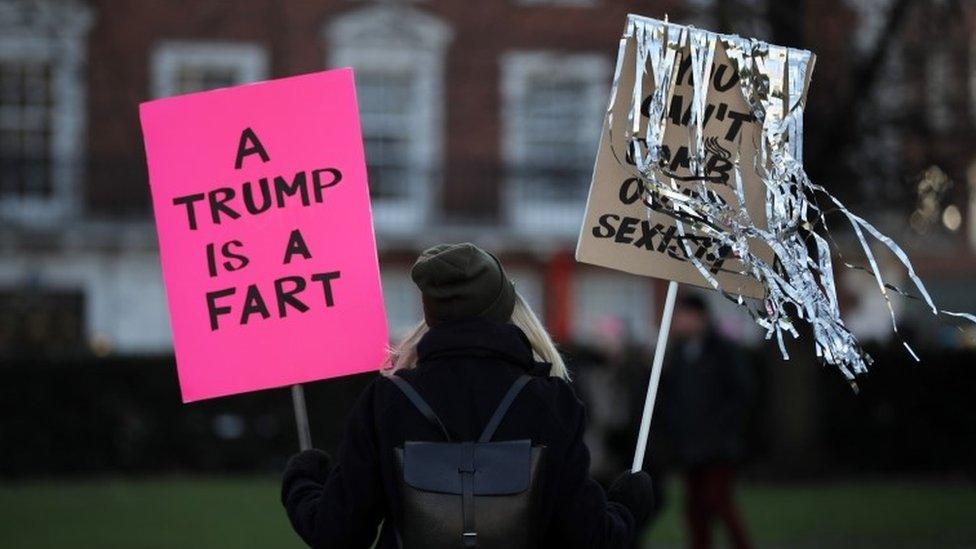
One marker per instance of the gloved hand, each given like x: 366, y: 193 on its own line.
x: 311, y: 464
x: 635, y: 492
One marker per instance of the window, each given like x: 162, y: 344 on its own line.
x: 385, y: 97
x: 42, y: 110
x: 26, y: 124
x: 41, y: 322
x: 397, y: 53
x: 553, y: 111
x: 185, y: 67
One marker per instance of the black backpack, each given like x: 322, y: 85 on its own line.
x: 467, y: 494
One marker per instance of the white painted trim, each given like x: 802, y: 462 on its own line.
x: 248, y: 60
x: 124, y: 298
x: 388, y: 25
x: 517, y: 69
x: 395, y: 38
x: 55, y: 32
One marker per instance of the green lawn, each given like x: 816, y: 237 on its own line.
x: 865, y: 515
x: 244, y: 512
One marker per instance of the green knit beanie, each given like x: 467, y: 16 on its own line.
x: 460, y: 281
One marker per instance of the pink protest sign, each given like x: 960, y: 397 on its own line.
x: 265, y: 234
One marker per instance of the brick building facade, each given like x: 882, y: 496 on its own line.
x: 480, y: 121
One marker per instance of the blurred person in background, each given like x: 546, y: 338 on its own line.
x: 706, y: 391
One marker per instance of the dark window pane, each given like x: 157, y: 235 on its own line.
x: 43, y: 322
x: 25, y: 129
x: 385, y: 102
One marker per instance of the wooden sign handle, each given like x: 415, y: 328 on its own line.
x: 662, y: 341
x: 301, y: 417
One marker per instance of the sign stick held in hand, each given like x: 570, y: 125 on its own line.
x: 265, y: 236
x: 662, y: 341
x: 301, y: 417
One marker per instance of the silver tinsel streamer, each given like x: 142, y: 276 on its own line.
x: 799, y: 283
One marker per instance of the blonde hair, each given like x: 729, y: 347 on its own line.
x: 404, y: 355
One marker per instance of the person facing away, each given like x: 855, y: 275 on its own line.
x: 477, y: 338
x: 706, y: 390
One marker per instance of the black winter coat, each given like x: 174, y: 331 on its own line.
x: 464, y: 369
x: 704, y: 401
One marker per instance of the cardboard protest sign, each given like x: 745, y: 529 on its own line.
x: 265, y: 234
x: 618, y: 231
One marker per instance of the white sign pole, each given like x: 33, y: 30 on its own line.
x: 301, y: 417
x: 662, y: 341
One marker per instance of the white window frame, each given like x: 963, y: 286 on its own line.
x: 55, y: 33
x: 518, y: 68
x: 124, y: 299
x: 394, y: 37
x: 248, y: 61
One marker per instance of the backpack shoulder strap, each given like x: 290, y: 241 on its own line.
x: 503, y: 407
x: 418, y: 401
